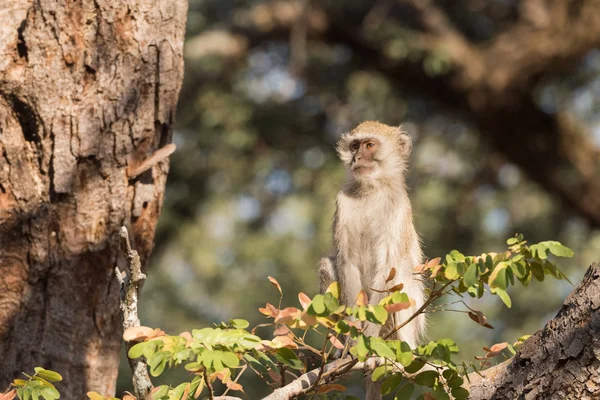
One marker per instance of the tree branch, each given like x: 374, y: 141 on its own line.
x: 130, y: 282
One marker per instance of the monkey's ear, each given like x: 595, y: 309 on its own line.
x: 342, y: 148
x: 405, y: 143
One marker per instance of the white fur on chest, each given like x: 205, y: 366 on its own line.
x: 380, y: 233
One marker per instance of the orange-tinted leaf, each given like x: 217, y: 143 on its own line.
x: 392, y: 308
x: 429, y: 396
x: 187, y: 336
x: 281, y: 330
x: 419, y: 269
x: 269, y: 310
x: 336, y: 342
x: 8, y: 395
x: 276, y: 284
x: 434, y: 263
x: 435, y: 270
x: 396, y: 288
x: 233, y: 386
x: 186, y: 392
x: 499, y: 346
x: 309, y: 319
x: 286, y: 315
x: 130, y: 397
x: 275, y: 376
x: 285, y: 341
x: 478, y: 317
x: 391, y: 276
x: 362, y: 298
x: 304, y: 300
x: 137, y: 333
x: 330, y: 388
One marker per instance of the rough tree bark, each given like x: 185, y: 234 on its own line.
x: 561, y: 361
x: 88, y: 91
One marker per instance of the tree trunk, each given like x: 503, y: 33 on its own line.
x: 562, y: 361
x: 88, y: 90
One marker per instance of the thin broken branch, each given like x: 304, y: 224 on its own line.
x: 130, y: 282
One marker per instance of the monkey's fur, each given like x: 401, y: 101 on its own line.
x: 373, y: 228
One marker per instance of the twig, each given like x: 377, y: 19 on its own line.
x: 211, y: 392
x: 130, y: 281
x: 305, y: 382
x: 134, y: 171
x: 431, y: 299
x: 236, y: 378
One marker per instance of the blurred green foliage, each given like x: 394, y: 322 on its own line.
x: 252, y: 185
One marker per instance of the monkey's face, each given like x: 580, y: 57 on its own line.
x: 364, y: 156
x: 374, y: 152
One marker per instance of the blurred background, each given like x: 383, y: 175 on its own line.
x: 501, y: 97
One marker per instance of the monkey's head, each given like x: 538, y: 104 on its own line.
x: 375, y: 152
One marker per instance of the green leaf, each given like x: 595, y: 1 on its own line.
x: 48, y: 375
x: 427, y: 378
x: 255, y: 363
x: 342, y: 327
x: 289, y: 358
x: 331, y: 303
x: 414, y: 366
x: 317, y: 306
x: 361, y: 347
x: 265, y: 360
x: 498, y: 277
x: 49, y: 393
x: 451, y: 272
x: 512, y: 241
x: 455, y: 382
x: 230, y: 359
x: 240, y: 323
x: 404, y: 354
x: 557, y: 248
x: 193, y: 366
x: 504, y: 297
x: 382, y: 350
x: 137, y: 350
x: 460, y: 393
x: 177, y: 393
x: 471, y: 275
x: 379, y: 372
x: 538, y: 271
x: 391, y: 382
x: 158, y: 368
x: 218, y: 362
x: 160, y: 391
x: 405, y: 392
x: 380, y: 314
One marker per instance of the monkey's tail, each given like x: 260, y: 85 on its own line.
x: 373, y: 389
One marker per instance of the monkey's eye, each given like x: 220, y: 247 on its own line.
x: 354, y: 147
x: 369, y: 145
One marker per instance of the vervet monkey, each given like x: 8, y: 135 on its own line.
x: 373, y: 228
